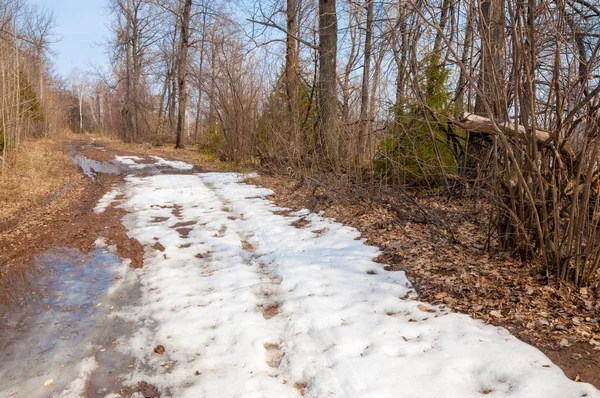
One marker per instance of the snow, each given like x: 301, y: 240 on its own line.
x: 337, y: 323
x: 106, y: 201
x: 174, y: 164
x: 77, y: 387
x: 131, y: 162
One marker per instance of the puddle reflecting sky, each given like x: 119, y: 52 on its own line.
x: 51, y: 331
x: 92, y: 167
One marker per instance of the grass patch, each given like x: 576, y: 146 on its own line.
x: 32, y: 174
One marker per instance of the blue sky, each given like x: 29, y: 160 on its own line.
x: 81, y: 26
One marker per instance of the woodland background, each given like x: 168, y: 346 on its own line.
x: 491, y: 101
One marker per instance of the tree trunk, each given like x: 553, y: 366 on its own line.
x: 291, y: 70
x: 181, y: 73
x: 136, y: 63
x: 437, y: 45
x: 491, y: 81
x: 197, y: 128
x: 400, y: 54
x: 327, y: 143
x: 465, y: 60
x: 364, y: 100
x: 80, y: 95
x: 490, y: 100
x: 128, y: 78
x: 213, y: 77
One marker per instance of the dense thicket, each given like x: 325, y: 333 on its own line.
x: 497, y: 99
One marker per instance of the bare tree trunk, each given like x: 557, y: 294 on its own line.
x: 437, y: 45
x: 161, y: 103
x: 400, y: 51
x: 136, y: 65
x: 364, y: 101
x: 213, y: 78
x: 172, y: 99
x: 197, y: 126
x: 181, y: 73
x: 352, y: 60
x: 291, y: 70
x: 128, y: 78
x: 491, y: 83
x: 80, y: 98
x: 466, y: 56
x: 327, y: 143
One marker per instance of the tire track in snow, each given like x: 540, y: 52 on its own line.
x: 267, y: 290
x: 344, y: 326
x: 354, y: 329
x: 202, y: 297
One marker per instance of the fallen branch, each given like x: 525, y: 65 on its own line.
x: 481, y: 124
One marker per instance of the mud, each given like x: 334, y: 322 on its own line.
x: 59, y: 293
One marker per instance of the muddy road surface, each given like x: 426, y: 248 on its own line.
x: 169, y: 281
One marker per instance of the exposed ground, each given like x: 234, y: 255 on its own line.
x: 443, y: 259
x: 62, y: 217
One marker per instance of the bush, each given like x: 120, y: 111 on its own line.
x: 416, y: 149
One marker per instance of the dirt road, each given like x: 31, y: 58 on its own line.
x: 235, y: 297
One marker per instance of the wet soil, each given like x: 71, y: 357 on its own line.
x: 59, y: 292
x: 145, y: 164
x: 69, y: 221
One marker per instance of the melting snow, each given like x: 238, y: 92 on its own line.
x: 248, y: 305
x: 174, y: 164
x: 77, y: 387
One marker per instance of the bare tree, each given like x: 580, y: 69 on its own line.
x: 327, y: 143
x: 364, y: 104
x: 80, y: 84
x: 184, y: 45
x: 292, y: 69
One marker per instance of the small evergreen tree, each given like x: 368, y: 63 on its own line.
x: 415, y: 150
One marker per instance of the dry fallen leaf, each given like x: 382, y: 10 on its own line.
x: 564, y: 343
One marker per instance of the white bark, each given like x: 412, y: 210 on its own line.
x: 481, y: 124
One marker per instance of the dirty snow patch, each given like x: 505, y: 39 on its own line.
x: 174, y: 164
x: 106, y: 201
x: 77, y: 387
x: 248, y: 305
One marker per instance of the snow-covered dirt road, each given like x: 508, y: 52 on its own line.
x: 240, y: 298
x: 250, y: 301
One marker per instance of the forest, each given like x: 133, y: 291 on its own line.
x: 492, y: 101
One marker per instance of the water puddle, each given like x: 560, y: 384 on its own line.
x: 127, y: 164
x: 53, y: 326
x: 92, y: 167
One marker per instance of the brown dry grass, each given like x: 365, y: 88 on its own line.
x: 32, y: 174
